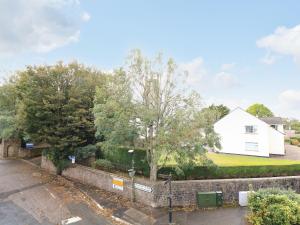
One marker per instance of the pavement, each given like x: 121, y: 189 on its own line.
x: 139, y: 214
x: 30, y: 196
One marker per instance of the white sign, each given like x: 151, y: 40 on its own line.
x: 118, y: 183
x: 142, y: 187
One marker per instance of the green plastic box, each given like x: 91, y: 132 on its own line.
x: 209, y: 199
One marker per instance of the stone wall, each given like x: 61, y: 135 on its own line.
x: 104, y: 180
x: 9, y: 148
x: 184, y: 192
x: 48, y: 165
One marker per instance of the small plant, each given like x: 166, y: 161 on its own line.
x: 274, y: 207
x: 103, y: 164
x: 294, y: 141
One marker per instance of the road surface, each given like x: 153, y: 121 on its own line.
x: 29, y: 196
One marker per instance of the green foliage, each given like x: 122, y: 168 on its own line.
x: 103, y: 164
x: 213, y: 113
x: 274, y: 207
x: 56, y: 106
x: 59, y: 160
x: 294, y: 141
x: 113, y: 112
x: 143, y: 107
x: 122, y: 160
x: 259, y: 110
x: 82, y: 153
x: 8, y: 110
x: 220, y: 172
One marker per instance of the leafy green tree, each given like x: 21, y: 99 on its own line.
x: 150, y: 109
x: 8, y: 110
x: 56, y: 105
x: 213, y: 113
x: 114, y: 112
x: 259, y: 110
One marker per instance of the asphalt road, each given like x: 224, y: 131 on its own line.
x: 29, y: 196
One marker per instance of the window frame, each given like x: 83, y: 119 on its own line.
x: 253, y: 128
x: 252, y: 149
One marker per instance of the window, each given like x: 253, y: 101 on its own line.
x: 250, y: 129
x: 251, y: 146
x: 275, y: 127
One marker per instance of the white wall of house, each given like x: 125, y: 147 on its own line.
x: 276, y: 142
x: 235, y: 139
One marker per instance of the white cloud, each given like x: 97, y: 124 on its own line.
x: 85, y: 16
x: 290, y: 99
x: 195, y: 71
x: 225, y: 80
x: 227, y: 66
x: 269, y: 59
x: 38, y: 25
x: 284, y: 41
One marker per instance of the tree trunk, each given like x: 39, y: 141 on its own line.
x: 153, y: 172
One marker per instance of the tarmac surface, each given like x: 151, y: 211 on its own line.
x: 29, y: 196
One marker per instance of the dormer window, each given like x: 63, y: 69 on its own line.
x: 250, y: 129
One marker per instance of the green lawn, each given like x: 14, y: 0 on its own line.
x: 238, y: 160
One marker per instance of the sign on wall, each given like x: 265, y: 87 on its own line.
x: 142, y: 187
x: 118, y: 183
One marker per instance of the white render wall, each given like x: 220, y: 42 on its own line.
x: 231, y: 129
x: 276, y: 142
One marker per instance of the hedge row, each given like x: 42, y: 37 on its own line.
x: 121, y: 160
x: 198, y: 173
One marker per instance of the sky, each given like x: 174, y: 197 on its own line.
x: 236, y: 52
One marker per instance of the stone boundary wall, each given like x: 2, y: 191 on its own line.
x: 184, y: 192
x: 48, y: 165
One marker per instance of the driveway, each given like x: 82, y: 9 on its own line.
x: 29, y: 196
x: 292, y: 153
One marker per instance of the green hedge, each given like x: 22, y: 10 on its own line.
x: 198, y: 173
x: 121, y: 160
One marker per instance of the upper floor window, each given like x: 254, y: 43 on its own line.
x: 250, y: 129
x: 275, y: 127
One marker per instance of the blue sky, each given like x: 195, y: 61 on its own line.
x: 237, y: 52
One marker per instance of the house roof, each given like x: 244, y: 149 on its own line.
x: 261, y: 119
x: 272, y: 120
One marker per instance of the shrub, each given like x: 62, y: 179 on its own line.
x: 59, y: 160
x: 103, y: 164
x: 274, y: 207
x: 121, y: 160
x: 294, y: 141
x: 82, y: 153
x: 200, y: 172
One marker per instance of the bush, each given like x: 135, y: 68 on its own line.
x: 103, y: 164
x: 59, y: 160
x: 121, y: 160
x: 200, y: 172
x: 294, y: 141
x: 274, y: 207
x: 82, y: 153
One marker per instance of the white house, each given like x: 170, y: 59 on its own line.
x: 244, y: 134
